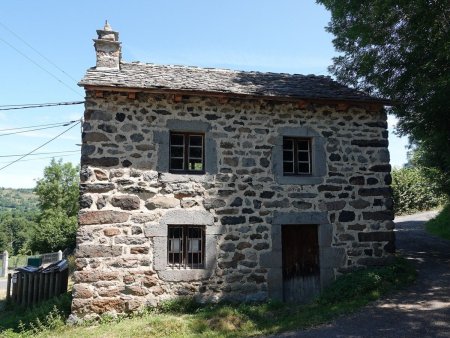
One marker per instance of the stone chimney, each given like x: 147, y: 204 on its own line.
x: 107, y: 48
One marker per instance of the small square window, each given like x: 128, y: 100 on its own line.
x: 187, y: 153
x: 186, y: 246
x: 297, y: 156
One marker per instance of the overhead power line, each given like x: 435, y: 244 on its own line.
x: 41, y: 67
x: 38, y: 105
x: 37, y: 52
x: 40, y: 158
x: 39, y: 125
x: 44, y: 144
x: 41, y: 128
x: 44, y: 153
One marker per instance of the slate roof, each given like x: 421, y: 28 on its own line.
x: 223, y: 81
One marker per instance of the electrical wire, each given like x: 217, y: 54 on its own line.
x: 44, y: 144
x: 43, y: 128
x: 42, y: 158
x: 38, y: 65
x: 44, y: 153
x: 37, y: 105
x: 37, y: 52
x: 38, y: 125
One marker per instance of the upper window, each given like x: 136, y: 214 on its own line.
x: 186, y: 246
x: 297, y: 156
x: 187, y: 152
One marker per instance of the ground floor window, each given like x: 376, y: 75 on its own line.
x: 186, y: 246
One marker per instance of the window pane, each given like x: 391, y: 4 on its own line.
x: 177, y: 139
x: 287, y: 144
x: 175, y: 232
x: 194, y: 245
x: 176, y: 151
x: 288, y: 167
x: 288, y: 156
x: 194, y: 258
x: 195, y: 164
x: 195, y: 152
x: 303, y: 168
x: 176, y: 164
x: 303, y: 144
x: 174, y: 245
x: 194, y: 232
x: 196, y: 140
x: 175, y: 258
x: 303, y: 156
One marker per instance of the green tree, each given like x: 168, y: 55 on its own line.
x: 57, y: 193
x: 400, y: 50
x: 15, y: 231
x: 414, y: 190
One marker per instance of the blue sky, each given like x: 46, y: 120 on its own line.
x: 277, y: 36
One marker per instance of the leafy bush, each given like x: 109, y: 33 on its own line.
x: 415, y: 190
x: 440, y: 226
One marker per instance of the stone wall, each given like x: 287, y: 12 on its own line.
x: 127, y: 198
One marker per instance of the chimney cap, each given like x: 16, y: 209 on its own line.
x: 107, y: 26
x: 107, y: 33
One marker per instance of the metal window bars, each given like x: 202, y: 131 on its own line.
x: 185, y: 246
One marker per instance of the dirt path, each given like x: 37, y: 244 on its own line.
x: 423, y: 310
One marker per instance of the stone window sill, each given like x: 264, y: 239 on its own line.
x: 300, y: 179
x: 176, y: 275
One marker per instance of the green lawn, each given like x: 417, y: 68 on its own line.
x: 185, y: 318
x: 440, y: 225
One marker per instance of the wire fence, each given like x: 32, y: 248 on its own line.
x: 18, y: 261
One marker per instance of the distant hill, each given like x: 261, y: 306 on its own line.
x: 18, y: 200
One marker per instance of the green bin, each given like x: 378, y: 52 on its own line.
x: 34, y: 261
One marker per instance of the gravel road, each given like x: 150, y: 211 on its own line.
x: 422, y: 310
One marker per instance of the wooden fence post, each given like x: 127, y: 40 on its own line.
x: 41, y: 287
x: 35, y: 288
x: 8, y: 288
x: 23, y: 301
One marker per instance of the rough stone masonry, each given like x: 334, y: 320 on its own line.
x: 129, y: 197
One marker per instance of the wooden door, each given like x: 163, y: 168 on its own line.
x: 301, y: 270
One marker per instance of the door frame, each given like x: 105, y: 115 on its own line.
x: 330, y: 257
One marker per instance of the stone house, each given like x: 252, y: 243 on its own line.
x: 222, y: 184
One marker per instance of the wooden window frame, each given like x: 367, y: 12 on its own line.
x: 186, y: 147
x: 183, y: 250
x: 295, y: 160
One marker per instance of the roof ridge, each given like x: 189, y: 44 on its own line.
x: 225, y: 69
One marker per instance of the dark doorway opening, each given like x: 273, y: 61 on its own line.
x: 300, y: 259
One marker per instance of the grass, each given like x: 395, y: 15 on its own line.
x: 184, y: 317
x: 440, y: 225
x: 19, y: 318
